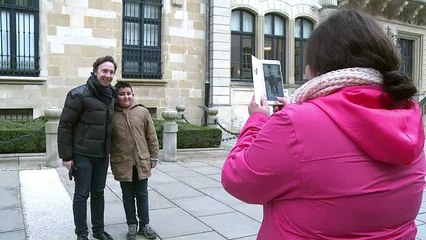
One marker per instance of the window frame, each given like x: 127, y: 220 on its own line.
x: 275, y: 39
x: 244, y: 61
x: 417, y: 49
x: 14, y: 43
x: 140, y: 54
x: 303, y: 41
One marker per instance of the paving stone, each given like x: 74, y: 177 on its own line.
x: 176, y: 190
x: 199, y: 182
x: 202, y: 206
x: 208, y: 170
x: 111, y: 196
x: 159, y: 177
x: 113, y: 184
x: 421, y: 217
x: 184, y: 173
x: 216, y: 177
x: 157, y: 201
x: 11, y: 219
x: 169, y: 167
x: 254, y: 237
x: 232, y: 225
x: 200, y: 236
x: 217, y: 163
x: 114, y: 213
x: 251, y: 210
x: 117, y: 231
x: 9, y: 197
x: 13, y: 235
x: 193, y: 164
x: 9, y: 179
x: 221, y: 195
x: 422, y: 208
x: 174, y: 222
x: 421, y: 232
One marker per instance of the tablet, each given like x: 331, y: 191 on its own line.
x: 267, y: 80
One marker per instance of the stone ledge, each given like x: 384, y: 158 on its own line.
x: 23, y: 158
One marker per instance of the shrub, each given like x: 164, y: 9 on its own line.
x: 23, y: 136
x: 192, y: 136
x: 29, y: 136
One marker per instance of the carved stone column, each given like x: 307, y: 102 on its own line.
x: 51, y: 129
x: 170, y: 129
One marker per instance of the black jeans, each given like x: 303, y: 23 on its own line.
x: 90, y: 179
x: 136, y: 189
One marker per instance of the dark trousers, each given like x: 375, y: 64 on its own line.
x: 90, y: 179
x: 136, y: 189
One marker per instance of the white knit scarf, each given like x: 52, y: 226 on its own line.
x: 327, y: 83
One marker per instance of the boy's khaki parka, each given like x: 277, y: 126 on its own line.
x: 125, y: 154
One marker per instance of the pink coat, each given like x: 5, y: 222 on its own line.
x: 336, y: 167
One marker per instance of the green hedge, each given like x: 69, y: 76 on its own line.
x: 29, y: 136
x: 192, y: 136
x: 22, y: 136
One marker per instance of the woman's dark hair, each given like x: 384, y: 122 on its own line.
x: 101, y: 60
x: 349, y: 38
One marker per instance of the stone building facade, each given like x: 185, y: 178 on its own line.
x: 201, y: 47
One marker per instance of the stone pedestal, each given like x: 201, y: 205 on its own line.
x: 51, y: 130
x: 180, y: 109
x: 170, y: 129
x: 212, y: 117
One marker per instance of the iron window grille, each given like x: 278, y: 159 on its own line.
x: 16, y: 114
x: 142, y: 39
x: 19, y: 37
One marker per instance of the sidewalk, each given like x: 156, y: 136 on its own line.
x: 187, y: 201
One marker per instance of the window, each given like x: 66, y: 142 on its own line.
x: 16, y: 114
x: 407, y: 51
x: 274, y: 48
x: 242, y: 44
x: 142, y: 39
x: 19, y: 38
x: 302, y: 31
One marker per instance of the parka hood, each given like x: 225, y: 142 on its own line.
x: 365, y: 114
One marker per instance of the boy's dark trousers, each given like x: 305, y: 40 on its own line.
x: 90, y: 179
x: 136, y: 189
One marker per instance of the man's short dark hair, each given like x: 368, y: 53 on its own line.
x: 101, y: 60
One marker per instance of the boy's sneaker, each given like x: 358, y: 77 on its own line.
x: 133, y: 230
x: 147, y: 231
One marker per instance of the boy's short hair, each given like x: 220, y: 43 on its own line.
x: 119, y: 85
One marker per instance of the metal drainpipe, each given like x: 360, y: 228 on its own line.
x: 207, y: 74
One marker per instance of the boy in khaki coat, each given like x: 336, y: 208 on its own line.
x: 134, y: 151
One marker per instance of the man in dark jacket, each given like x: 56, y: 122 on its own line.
x: 84, y: 136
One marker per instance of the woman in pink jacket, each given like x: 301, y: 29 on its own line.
x: 344, y: 158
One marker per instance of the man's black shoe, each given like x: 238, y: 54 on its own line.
x: 82, y: 237
x: 102, y: 236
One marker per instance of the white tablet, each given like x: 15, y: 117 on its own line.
x: 267, y: 80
